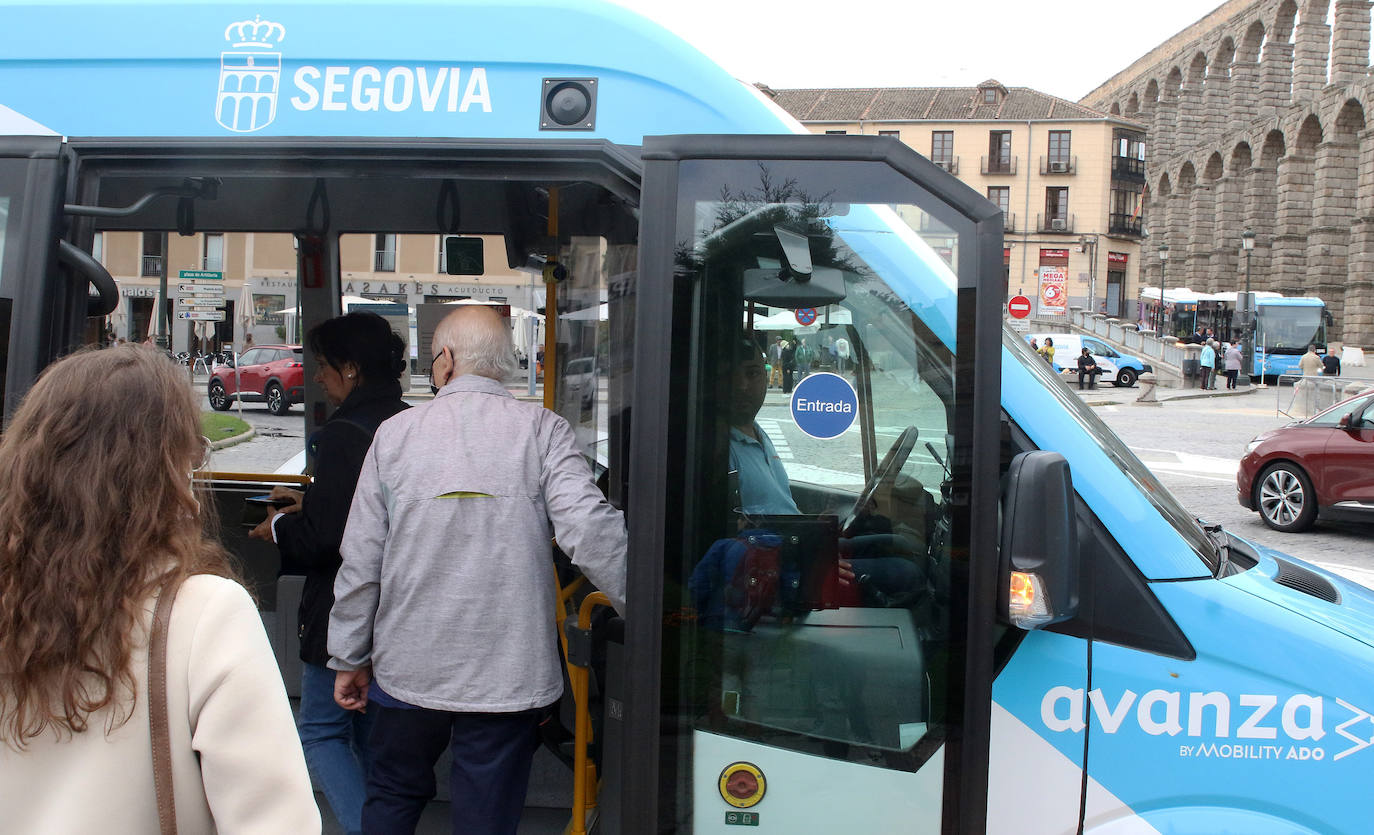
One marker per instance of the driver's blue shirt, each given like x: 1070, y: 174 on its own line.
x: 763, y: 485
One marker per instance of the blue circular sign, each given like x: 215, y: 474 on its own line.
x: 824, y: 405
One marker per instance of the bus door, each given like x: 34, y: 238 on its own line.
x: 819, y: 556
x: 31, y: 179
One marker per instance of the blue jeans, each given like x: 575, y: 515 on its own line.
x: 335, y: 743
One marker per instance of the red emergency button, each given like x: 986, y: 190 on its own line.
x: 742, y: 785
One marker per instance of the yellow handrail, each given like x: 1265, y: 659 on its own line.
x: 255, y: 478
x: 584, y: 773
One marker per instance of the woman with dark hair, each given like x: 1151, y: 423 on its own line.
x: 358, y: 360
x: 98, y: 520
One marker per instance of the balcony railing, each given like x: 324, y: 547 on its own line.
x: 997, y: 165
x: 1054, y: 224
x: 152, y: 265
x: 1125, y: 168
x: 1058, y: 165
x: 1008, y: 221
x: 950, y: 164
x: 1119, y: 223
x: 384, y: 261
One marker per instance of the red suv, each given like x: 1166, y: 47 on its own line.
x: 271, y: 374
x: 1324, y: 464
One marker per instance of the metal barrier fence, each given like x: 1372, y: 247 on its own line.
x: 1309, y: 394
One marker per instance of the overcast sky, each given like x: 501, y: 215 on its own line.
x: 1065, y: 48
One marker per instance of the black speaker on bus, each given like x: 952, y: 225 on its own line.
x: 568, y: 104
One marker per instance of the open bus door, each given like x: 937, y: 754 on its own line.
x: 773, y: 693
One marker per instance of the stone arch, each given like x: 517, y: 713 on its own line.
x: 1152, y: 91
x: 1116, y: 109
x: 1163, y: 190
x: 1273, y: 149
x: 1315, y: 11
x: 1241, y: 159
x: 1133, y: 104
x: 1214, y: 168
x: 1285, y: 21
x: 1172, y: 84
x: 1252, y: 43
x: 1350, y: 121
x: 1308, y: 137
x: 1225, y: 55
x: 1197, y: 70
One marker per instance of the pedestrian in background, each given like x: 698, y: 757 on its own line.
x: 1331, y: 365
x: 437, y: 622
x: 358, y: 360
x: 1234, y: 360
x: 1047, y: 350
x: 1219, y: 361
x: 789, y: 365
x: 1311, y: 363
x: 98, y: 523
x: 775, y: 363
x: 1087, y: 367
x: 1207, y: 363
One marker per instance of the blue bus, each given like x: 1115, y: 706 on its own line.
x: 1040, y: 637
x: 1284, y: 327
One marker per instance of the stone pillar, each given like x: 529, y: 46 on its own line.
x: 1357, y: 325
x: 1201, y: 212
x: 1188, y: 133
x: 1176, y: 235
x: 1261, y: 211
x: 1350, y: 50
x: 1333, y: 210
x: 1245, y: 95
x: 1162, y: 129
x: 1313, y: 40
x: 1221, y: 275
x: 1276, y: 79
x: 1216, y: 99
x: 1294, y: 223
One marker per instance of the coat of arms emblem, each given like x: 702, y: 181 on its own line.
x: 249, y: 75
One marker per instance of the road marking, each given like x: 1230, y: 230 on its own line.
x: 1203, y: 467
x: 773, y: 429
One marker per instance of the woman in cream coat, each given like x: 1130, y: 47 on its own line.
x: 96, y: 514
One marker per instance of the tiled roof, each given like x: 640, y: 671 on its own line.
x: 900, y: 104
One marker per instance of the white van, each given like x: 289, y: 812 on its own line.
x: 1117, y: 368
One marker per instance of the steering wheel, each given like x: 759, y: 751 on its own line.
x: 885, y: 474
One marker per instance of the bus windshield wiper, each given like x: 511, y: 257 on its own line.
x: 1221, y: 540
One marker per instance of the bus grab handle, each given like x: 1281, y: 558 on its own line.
x: 579, y: 650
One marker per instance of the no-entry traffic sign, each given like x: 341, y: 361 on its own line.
x: 1019, y: 307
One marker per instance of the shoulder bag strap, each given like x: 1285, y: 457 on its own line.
x: 157, y: 709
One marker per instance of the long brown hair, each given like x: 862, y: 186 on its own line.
x: 96, y: 511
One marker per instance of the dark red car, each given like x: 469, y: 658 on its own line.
x: 271, y: 374
x: 1323, y: 465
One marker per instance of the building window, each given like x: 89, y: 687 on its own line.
x: 990, y: 95
x: 942, y: 150
x: 212, y: 258
x: 895, y: 134
x: 1128, y: 156
x: 1060, y: 160
x: 152, y: 253
x: 1125, y: 217
x: 999, y: 152
x: 836, y: 132
x: 98, y: 247
x: 1000, y: 196
x: 385, y: 255
x: 1057, y: 210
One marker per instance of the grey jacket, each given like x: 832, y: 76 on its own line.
x: 447, y: 576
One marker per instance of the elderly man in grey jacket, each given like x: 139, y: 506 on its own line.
x: 440, y: 621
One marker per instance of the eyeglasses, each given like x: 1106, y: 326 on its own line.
x: 434, y: 389
x: 206, y: 450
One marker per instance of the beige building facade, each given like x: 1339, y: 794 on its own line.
x: 260, y: 281
x: 1257, y: 118
x: 1069, y: 179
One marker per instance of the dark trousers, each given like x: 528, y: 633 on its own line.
x: 492, y: 753
x: 1231, y: 374
x: 789, y: 374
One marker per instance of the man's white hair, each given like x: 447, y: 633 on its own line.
x: 480, y: 343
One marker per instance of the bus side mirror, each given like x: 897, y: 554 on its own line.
x: 1039, y: 561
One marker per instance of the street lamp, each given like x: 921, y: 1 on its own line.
x: 1163, y: 259
x: 1247, y: 243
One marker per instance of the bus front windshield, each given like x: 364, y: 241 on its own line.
x: 1289, y: 330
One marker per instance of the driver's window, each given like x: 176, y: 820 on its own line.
x: 818, y: 585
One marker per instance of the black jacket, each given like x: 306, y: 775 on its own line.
x: 309, y: 541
